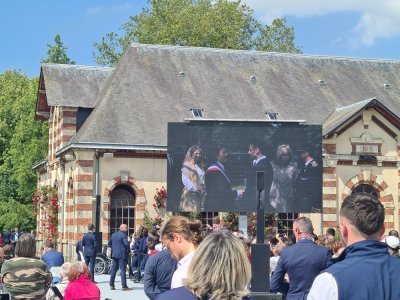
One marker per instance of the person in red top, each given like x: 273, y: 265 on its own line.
x: 80, y: 285
x: 151, y: 244
x: 1, y: 239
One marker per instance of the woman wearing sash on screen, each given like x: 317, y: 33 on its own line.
x: 285, y: 173
x: 193, y: 193
x: 219, y: 196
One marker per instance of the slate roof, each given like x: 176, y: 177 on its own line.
x: 341, y: 114
x: 153, y: 85
x: 73, y: 85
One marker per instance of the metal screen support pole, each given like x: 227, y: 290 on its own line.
x: 260, y: 251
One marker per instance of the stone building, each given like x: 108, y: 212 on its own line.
x: 108, y: 126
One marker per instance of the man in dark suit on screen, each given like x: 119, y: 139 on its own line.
x: 259, y: 162
x: 89, y: 245
x: 219, y: 193
x: 302, y: 262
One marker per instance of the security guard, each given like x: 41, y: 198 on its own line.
x: 308, y: 186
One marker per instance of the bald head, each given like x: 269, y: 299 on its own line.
x: 123, y: 227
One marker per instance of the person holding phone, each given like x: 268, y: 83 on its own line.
x: 60, y: 287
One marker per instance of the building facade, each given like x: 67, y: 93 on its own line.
x: 108, y: 126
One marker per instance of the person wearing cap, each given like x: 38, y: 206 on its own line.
x: 365, y: 269
x: 393, y: 245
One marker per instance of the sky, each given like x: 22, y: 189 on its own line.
x: 355, y: 28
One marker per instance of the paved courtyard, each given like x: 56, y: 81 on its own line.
x: 103, y: 283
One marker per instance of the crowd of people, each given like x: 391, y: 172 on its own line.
x: 185, y: 259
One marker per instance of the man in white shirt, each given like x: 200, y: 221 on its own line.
x: 181, y: 236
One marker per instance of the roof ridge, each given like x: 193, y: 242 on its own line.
x: 261, y: 53
x: 354, y: 104
x: 70, y: 66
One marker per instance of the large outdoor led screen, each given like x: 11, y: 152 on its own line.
x: 212, y: 166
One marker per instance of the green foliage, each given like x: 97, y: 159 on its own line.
x: 277, y: 37
x: 57, y: 53
x: 23, y: 141
x: 193, y: 215
x: 201, y: 23
x: 15, y: 214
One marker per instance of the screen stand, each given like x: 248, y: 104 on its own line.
x: 260, y: 252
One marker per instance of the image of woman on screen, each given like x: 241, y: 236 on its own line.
x: 285, y: 172
x: 193, y: 194
x: 219, y: 193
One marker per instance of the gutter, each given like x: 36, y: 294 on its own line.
x: 111, y: 147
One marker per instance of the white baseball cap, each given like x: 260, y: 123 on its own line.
x: 392, y: 241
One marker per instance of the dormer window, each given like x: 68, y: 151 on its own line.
x: 197, y: 112
x: 272, y: 115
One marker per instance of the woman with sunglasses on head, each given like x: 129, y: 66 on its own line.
x: 219, y: 270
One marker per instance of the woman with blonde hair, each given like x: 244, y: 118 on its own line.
x: 220, y: 270
x: 181, y: 236
x: 193, y: 194
x: 285, y: 172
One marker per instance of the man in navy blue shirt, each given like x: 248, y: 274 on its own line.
x: 365, y: 269
x: 119, y: 252
x: 302, y: 262
x: 51, y: 257
x: 89, y: 245
x: 158, y: 273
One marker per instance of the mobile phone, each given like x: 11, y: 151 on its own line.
x: 56, y: 292
x: 5, y: 296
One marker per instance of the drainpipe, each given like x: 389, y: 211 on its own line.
x: 97, y: 190
x: 62, y: 203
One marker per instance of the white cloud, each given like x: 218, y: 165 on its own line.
x: 379, y: 19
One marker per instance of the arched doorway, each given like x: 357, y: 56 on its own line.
x: 365, y: 188
x: 122, y: 208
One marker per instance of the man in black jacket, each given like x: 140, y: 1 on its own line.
x: 89, y: 244
x: 308, y: 186
x: 220, y: 195
x: 259, y: 163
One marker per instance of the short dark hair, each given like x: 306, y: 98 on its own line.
x: 216, y: 149
x: 260, y: 144
x: 364, y: 211
x: 48, y: 244
x: 393, y: 232
x: 331, y: 231
x: 90, y: 227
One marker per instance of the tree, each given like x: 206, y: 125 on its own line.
x: 57, y: 53
x: 23, y: 141
x: 202, y: 23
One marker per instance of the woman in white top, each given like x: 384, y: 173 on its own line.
x: 193, y: 194
x: 181, y: 237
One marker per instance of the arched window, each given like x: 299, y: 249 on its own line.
x: 122, y: 208
x: 365, y: 188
